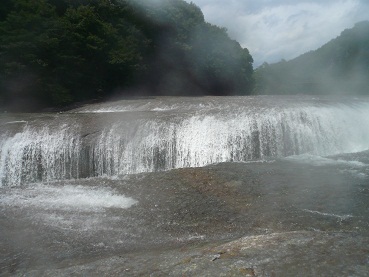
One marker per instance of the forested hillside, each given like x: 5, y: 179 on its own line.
x: 339, y: 67
x: 57, y: 52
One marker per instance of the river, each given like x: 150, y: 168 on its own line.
x: 264, y: 185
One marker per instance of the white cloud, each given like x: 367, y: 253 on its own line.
x: 273, y: 30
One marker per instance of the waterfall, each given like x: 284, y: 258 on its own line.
x: 39, y: 154
x: 96, y: 143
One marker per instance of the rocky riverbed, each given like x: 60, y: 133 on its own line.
x: 272, y: 218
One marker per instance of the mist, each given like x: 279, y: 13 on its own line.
x: 283, y: 29
x: 339, y: 67
x: 207, y: 181
x: 193, y: 57
x: 77, y: 53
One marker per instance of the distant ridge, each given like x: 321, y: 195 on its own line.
x: 56, y: 53
x: 340, y: 66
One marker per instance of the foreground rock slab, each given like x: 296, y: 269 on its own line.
x: 276, y: 218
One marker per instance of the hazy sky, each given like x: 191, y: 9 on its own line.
x: 283, y: 29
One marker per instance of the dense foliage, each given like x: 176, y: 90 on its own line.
x: 339, y: 67
x: 56, y: 52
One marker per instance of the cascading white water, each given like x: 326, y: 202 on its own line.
x: 162, y: 138
x: 39, y: 154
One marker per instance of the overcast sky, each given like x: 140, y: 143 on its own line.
x: 283, y: 29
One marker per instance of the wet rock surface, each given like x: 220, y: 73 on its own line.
x: 277, y: 218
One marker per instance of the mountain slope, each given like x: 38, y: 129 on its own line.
x: 56, y: 52
x: 339, y: 67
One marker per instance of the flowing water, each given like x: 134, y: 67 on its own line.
x: 129, y: 137
x: 79, y: 187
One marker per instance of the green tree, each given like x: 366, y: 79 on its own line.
x: 27, y: 44
x: 56, y: 52
x: 340, y: 66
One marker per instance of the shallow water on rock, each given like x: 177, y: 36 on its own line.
x: 150, y: 135
x: 283, y: 217
x: 207, y: 186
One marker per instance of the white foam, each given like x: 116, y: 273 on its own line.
x: 163, y: 109
x: 105, y: 110
x: 355, y: 173
x: 22, y: 156
x: 14, y: 122
x: 321, y: 161
x: 341, y: 217
x: 240, y: 131
x: 66, y: 197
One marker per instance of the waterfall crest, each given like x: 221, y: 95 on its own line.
x: 146, y: 136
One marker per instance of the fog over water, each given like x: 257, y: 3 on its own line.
x: 187, y: 186
x: 181, y: 185
x: 134, y: 136
x: 283, y: 29
x: 197, y: 186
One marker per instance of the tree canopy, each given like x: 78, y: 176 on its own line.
x: 339, y: 67
x: 56, y: 52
